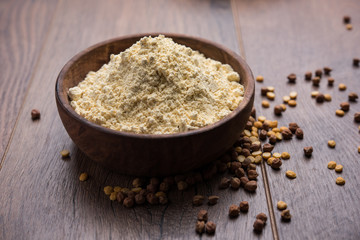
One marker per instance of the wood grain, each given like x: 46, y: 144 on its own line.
x: 42, y: 197
x: 23, y: 28
x: 281, y: 37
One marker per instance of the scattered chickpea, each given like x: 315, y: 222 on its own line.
x: 283, y: 106
x: 278, y: 136
x: 259, y: 78
x: 265, y: 104
x: 285, y: 155
x: 293, y: 95
x: 286, y: 99
x: 281, y: 205
x: 108, y: 190
x: 113, y: 196
x: 273, y: 124
x: 276, y: 155
x: 271, y: 89
x: 331, y: 165
x: 327, y: 97
x: 262, y: 119
x: 348, y: 26
x: 117, y: 189
x: 258, y: 159
x: 339, y: 113
x: 331, y: 143
x: 270, y: 95
x: 276, y: 130
x: 314, y: 94
x: 65, y: 153
x: 331, y: 81
x: 339, y: 168
x: 340, y: 181
x: 342, y: 87
x: 258, y: 124
x: 290, y: 174
x: 270, y: 160
x: 266, y: 155
x: 83, y: 177
x: 292, y: 103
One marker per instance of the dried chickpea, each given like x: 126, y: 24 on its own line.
x: 278, y: 136
x: 254, y: 134
x: 108, y: 190
x: 269, y: 133
x: 275, y: 130
x: 349, y: 26
x: 283, y: 106
x: 293, y: 95
x: 265, y: 104
x: 261, y: 119
x: 135, y: 190
x: 327, y: 97
x: 286, y: 99
x: 290, y: 174
x: 273, y: 124
x: 254, y: 139
x: 339, y: 168
x: 270, y: 160
x: 281, y: 205
x: 282, y: 128
x: 285, y: 155
x: 342, y: 87
x: 266, y: 155
x: 292, y: 103
x: 270, y: 95
x: 314, y: 94
x: 117, y: 189
x: 247, y: 133
x: 113, y: 196
x: 271, y: 89
x: 331, y: 143
x: 258, y: 124
x: 238, y: 149
x: 259, y: 78
x: 331, y: 165
x: 340, y: 181
x: 65, y: 153
x: 241, y: 158
x: 258, y: 159
x: 276, y: 155
x: 256, y: 153
x: 339, y: 113
x: 83, y: 177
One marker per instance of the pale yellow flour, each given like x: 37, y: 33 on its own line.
x: 157, y: 86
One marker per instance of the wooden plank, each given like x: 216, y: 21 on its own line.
x: 40, y: 188
x: 281, y: 37
x: 23, y: 28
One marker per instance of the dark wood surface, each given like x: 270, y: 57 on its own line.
x: 42, y: 197
x: 297, y: 37
x: 24, y: 26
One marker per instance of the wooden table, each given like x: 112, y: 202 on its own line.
x: 41, y: 196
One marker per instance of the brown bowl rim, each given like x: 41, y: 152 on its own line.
x: 249, y: 90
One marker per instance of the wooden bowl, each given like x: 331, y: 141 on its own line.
x: 150, y: 154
